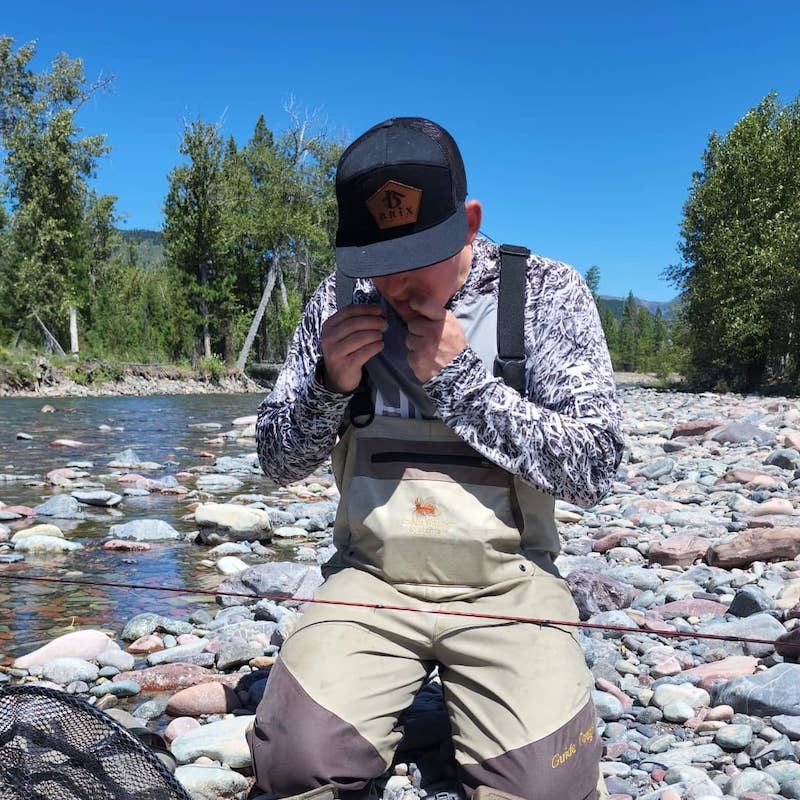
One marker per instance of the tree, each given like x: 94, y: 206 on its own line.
x: 593, y: 282
x: 740, y: 249
x: 47, y: 164
x: 194, y: 235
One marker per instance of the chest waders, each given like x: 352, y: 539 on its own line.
x: 426, y: 521
x: 423, y: 510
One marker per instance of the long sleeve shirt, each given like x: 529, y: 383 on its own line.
x: 563, y: 437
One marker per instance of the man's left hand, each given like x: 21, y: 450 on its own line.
x: 435, y: 338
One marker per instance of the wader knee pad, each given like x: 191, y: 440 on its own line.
x: 486, y: 793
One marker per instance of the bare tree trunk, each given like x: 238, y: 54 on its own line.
x: 51, y: 341
x: 265, y: 295
x: 73, y: 331
x: 206, y: 331
x: 282, y: 288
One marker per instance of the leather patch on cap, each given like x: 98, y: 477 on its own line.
x: 395, y: 204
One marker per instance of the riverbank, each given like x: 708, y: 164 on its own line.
x: 699, y: 536
x: 146, y: 380
x: 92, y: 379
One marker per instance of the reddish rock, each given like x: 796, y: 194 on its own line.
x: 791, y: 439
x: 656, y: 506
x: 726, y: 669
x: 171, y: 677
x: 759, y: 544
x: 690, y: 608
x: 658, y: 774
x: 24, y: 511
x: 613, y: 750
x: 719, y: 713
x: 611, y: 540
x: 124, y: 544
x: 665, y: 668
x: 180, y: 726
x: 680, y: 551
x: 695, y: 427
x: 130, y: 477
x: 146, y: 644
x: 762, y: 482
x: 775, y: 505
x: 738, y: 475
x: 204, y: 698
x: 653, y: 622
x: 606, y: 686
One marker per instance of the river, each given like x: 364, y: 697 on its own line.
x: 156, y: 428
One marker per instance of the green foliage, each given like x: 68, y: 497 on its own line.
x: 211, y: 367
x: 46, y: 165
x: 740, y: 250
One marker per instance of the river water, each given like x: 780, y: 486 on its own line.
x: 156, y: 428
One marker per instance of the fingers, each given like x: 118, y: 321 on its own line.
x: 352, y: 320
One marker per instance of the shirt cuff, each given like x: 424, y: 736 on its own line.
x: 462, y: 377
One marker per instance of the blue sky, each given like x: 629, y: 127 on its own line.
x: 580, y: 122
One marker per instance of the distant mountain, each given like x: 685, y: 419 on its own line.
x: 616, y: 304
x: 148, y: 246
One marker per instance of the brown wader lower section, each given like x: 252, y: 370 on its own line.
x: 518, y: 695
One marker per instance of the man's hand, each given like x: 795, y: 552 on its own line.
x: 435, y: 338
x: 349, y: 339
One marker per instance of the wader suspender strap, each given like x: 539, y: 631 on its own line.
x: 509, y: 363
x: 361, y: 409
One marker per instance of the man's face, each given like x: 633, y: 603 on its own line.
x: 438, y: 281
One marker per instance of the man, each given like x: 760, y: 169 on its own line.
x: 448, y: 476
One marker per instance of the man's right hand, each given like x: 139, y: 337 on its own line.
x: 349, y: 339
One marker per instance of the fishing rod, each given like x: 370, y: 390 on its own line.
x: 556, y: 623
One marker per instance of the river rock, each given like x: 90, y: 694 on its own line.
x: 80, y: 644
x: 205, y: 698
x: 218, y: 483
x: 61, y: 506
x: 233, y: 522
x: 695, y: 427
x: 774, y: 691
x: 223, y: 741
x: 98, y: 498
x: 775, y: 505
x: 594, y: 592
x: 742, y: 432
x: 757, y: 626
x: 66, y: 670
x: 144, y: 530
x: 734, y: 737
x: 38, y: 530
x: 785, y: 458
x: 751, y: 780
x: 46, y: 544
x: 121, y: 544
x: 750, y: 600
x: 171, y: 677
x: 787, y: 724
x: 724, y: 670
x: 279, y: 578
x: 680, y: 551
x: 211, y: 783
x: 762, y: 544
x: 680, y: 692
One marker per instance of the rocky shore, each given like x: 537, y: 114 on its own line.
x: 138, y: 386
x: 700, y: 535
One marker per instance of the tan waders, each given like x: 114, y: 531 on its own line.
x: 426, y: 522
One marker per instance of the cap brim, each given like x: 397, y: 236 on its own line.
x: 406, y: 252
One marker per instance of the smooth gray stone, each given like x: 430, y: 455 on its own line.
x: 734, y: 737
x: 211, y: 783
x: 750, y: 600
x: 775, y: 691
x: 784, y: 457
x: 779, y: 750
x: 61, y: 506
x: 116, y: 688
x: 655, y: 469
x: 751, y: 780
x: 784, y: 771
x: 99, y: 498
x: 742, y: 432
x: 757, y: 626
x: 788, y: 724
x: 67, y: 670
x: 271, y: 581
x: 607, y: 706
x: 144, y: 530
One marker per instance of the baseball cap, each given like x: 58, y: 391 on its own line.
x: 400, y: 188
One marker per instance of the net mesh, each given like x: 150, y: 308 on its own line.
x: 55, y: 746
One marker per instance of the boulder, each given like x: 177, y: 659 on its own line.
x: 758, y: 544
